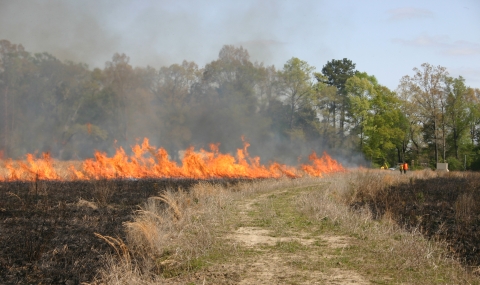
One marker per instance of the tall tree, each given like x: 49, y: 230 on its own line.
x: 377, y: 118
x: 297, y: 86
x: 14, y: 65
x: 337, y: 73
x: 172, y: 88
x: 121, y: 78
x: 457, y: 111
x: 473, y: 103
x: 360, y: 90
x: 413, y: 137
x: 226, y: 101
x: 325, y: 100
x: 427, y: 86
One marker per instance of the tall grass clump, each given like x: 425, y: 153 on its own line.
x: 168, y: 234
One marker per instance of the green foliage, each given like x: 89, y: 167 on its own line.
x: 454, y: 164
x: 336, y: 73
x: 376, y: 117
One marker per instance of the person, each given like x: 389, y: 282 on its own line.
x: 405, y: 168
x: 401, y: 168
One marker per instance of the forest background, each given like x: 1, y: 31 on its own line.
x: 69, y: 110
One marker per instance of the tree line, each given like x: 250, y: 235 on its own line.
x: 70, y: 110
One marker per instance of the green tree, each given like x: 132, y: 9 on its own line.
x: 324, y: 101
x: 413, y: 140
x: 457, y: 111
x: 473, y: 105
x: 336, y: 73
x: 360, y: 90
x: 377, y: 118
x: 297, y: 86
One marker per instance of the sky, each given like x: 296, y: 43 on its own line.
x: 386, y: 39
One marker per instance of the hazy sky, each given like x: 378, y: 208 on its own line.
x: 384, y: 38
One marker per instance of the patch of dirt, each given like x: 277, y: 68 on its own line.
x: 252, y: 236
x: 273, y: 267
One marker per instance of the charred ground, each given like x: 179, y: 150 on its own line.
x: 48, y: 227
x: 445, y: 208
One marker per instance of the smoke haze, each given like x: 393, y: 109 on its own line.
x: 154, y: 33
x: 124, y: 99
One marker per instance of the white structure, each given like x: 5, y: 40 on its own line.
x: 442, y: 167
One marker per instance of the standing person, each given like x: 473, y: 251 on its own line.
x: 405, y: 168
x: 401, y: 168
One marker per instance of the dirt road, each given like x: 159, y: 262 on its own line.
x: 274, y: 244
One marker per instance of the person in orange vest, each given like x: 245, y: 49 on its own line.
x: 405, y: 168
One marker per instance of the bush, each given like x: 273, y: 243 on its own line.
x: 454, y: 164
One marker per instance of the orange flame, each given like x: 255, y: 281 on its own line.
x: 34, y: 169
x: 149, y: 162
x: 322, y: 165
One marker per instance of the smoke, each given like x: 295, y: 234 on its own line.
x: 158, y: 34
x: 155, y: 33
x: 66, y: 29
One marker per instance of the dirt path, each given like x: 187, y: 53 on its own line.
x: 274, y: 244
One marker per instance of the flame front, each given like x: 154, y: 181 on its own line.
x: 322, y: 165
x: 149, y: 162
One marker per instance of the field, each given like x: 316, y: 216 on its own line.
x: 419, y: 228
x: 48, y: 228
x: 445, y: 207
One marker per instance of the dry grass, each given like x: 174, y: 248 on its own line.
x: 172, y: 232
x: 168, y: 234
x: 404, y: 256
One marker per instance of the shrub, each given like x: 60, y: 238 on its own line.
x: 454, y: 164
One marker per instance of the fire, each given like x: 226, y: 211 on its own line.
x: 322, y: 165
x: 149, y: 162
x: 35, y: 168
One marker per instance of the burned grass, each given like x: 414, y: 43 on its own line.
x: 444, y: 207
x: 51, y: 231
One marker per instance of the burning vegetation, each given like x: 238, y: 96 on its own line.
x: 150, y: 162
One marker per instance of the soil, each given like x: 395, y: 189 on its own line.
x: 47, y: 228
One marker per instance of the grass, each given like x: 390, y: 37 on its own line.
x: 392, y: 253
x: 314, y: 234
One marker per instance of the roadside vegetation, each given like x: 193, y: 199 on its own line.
x: 291, y: 231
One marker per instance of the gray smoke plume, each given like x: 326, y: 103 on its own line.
x: 154, y: 33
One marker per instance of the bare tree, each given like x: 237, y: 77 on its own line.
x: 427, y: 87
